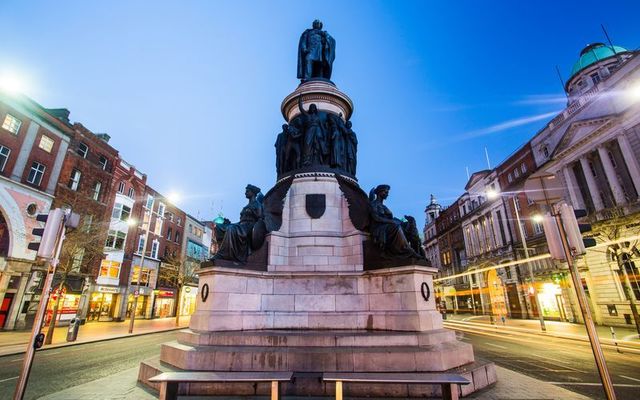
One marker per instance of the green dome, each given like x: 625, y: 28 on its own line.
x: 219, y: 219
x: 593, y: 53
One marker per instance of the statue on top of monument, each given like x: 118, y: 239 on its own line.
x: 316, y: 52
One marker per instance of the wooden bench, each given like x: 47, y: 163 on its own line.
x: 169, y: 381
x: 448, y: 382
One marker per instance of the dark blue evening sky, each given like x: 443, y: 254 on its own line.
x: 190, y: 91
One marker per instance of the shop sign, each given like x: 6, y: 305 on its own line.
x: 165, y: 293
x: 108, y: 289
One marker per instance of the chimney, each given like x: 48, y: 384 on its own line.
x: 105, y: 137
x: 60, y: 113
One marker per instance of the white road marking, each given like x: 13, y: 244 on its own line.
x: 47, y: 353
x: 628, y: 377
x: 631, y: 337
x: 592, y: 384
x: 496, y: 345
x: 9, y: 379
x: 17, y: 359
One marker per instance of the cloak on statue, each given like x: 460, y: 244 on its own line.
x: 328, y: 54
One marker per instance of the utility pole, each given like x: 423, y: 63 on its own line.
x: 530, y: 267
x: 134, y: 307
x: 52, y: 239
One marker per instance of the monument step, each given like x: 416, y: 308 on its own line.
x: 437, y: 357
x: 316, y: 339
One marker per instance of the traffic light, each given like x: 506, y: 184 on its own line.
x: 574, y: 230
x: 552, y: 234
x: 50, y: 232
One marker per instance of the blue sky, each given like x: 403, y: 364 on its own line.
x: 190, y: 91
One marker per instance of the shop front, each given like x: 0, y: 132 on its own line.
x: 103, y: 304
x: 188, y: 300
x: 143, y: 304
x: 164, y: 303
x: 551, y: 301
x: 67, y: 307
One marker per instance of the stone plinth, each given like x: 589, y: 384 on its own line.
x: 323, y: 94
x: 306, y: 244
x: 386, y: 299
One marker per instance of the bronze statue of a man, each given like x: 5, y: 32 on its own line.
x: 316, y: 52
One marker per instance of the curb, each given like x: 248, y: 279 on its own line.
x: 67, y: 344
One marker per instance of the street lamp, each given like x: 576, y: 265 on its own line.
x: 494, y: 194
x: 136, y: 294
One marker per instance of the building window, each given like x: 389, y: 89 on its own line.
x: 4, y: 157
x: 537, y: 228
x: 179, y: 221
x: 516, y: 173
x: 517, y: 201
x: 36, y: 173
x: 96, y: 190
x: 83, y: 150
x: 110, y: 269
x: 529, y: 201
x: 149, y: 204
x: 115, y: 240
x: 523, y: 168
x: 510, y: 178
x: 161, y: 210
x: 154, y: 249
x: 613, y: 160
x: 12, y: 124
x: 596, y: 78
x: 121, y: 187
x: 131, y: 194
x: 46, y: 143
x: 169, y: 216
x: 103, y: 162
x: 169, y: 233
x: 545, y: 151
x: 140, y: 244
x: 593, y: 169
x: 74, y: 179
x: 76, y: 261
x: 121, y: 212
x: 177, y: 236
x: 144, y: 277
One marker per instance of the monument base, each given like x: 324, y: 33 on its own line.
x: 309, y: 353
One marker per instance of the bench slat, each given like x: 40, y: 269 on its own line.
x: 222, y: 377
x: 390, y: 377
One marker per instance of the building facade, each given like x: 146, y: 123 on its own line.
x: 593, y: 147
x: 33, y: 146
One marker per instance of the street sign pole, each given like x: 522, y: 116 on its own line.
x: 37, y: 324
x: 607, y: 384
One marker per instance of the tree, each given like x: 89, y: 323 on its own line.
x: 178, y: 271
x: 81, y: 253
x: 623, y: 253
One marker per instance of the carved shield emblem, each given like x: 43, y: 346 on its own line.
x: 315, y: 205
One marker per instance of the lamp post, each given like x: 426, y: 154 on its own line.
x: 136, y: 294
x: 492, y: 194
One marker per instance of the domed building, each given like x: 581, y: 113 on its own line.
x: 596, y: 63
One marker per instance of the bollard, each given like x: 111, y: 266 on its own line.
x: 615, y: 341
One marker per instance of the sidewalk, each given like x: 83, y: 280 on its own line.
x: 553, y: 327
x: 123, y: 385
x: 14, y: 342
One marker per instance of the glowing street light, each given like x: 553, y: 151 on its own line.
x: 12, y: 82
x: 174, y: 197
x: 537, y: 218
